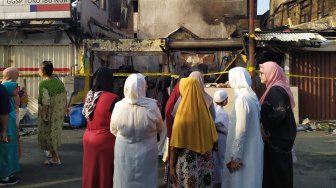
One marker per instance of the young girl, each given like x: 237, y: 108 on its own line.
x: 221, y: 122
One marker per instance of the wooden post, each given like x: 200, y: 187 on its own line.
x: 251, y: 60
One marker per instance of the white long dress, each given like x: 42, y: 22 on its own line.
x: 245, y: 143
x: 136, y: 152
x: 222, y: 124
x: 163, y: 140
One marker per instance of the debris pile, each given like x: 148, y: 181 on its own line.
x: 28, y: 131
x: 218, y: 85
x: 309, y: 125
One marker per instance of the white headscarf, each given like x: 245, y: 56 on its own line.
x: 240, y: 79
x: 135, y: 91
x: 220, y: 96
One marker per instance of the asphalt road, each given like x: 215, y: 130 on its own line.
x: 35, y: 174
x: 315, y: 168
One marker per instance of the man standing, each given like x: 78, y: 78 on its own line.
x: 5, y: 109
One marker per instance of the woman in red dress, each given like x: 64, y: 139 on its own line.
x: 98, y: 142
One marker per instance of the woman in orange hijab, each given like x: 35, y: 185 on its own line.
x: 193, y: 136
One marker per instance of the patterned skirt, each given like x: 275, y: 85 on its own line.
x: 194, y: 169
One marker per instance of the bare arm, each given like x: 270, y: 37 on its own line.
x: 114, y: 120
x: 17, y: 100
x: 174, y: 153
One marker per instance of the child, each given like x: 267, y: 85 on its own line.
x: 222, y: 123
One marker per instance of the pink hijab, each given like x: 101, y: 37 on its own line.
x: 275, y: 76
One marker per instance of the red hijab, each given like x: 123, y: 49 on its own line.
x: 275, y: 76
x: 174, y: 95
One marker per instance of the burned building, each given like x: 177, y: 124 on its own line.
x: 151, y: 19
x: 303, y: 14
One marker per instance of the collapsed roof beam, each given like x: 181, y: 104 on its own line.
x: 205, y: 44
x: 159, y: 46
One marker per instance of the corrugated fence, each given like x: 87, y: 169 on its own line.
x: 317, y: 98
x: 28, y: 57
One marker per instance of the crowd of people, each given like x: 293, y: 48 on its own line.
x: 52, y: 106
x: 201, y: 145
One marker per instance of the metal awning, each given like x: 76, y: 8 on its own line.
x: 128, y: 46
x: 289, y: 37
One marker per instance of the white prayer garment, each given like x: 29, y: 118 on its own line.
x: 244, y: 140
x: 222, y: 124
x: 136, y: 121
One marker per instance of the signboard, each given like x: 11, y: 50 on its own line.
x: 34, y: 9
x: 128, y: 46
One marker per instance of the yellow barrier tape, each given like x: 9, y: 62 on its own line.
x: 303, y: 76
x: 165, y: 74
x: 215, y: 73
x: 290, y: 75
x: 244, y: 57
x: 148, y: 74
x: 252, y: 36
x: 313, y: 77
x: 176, y: 76
x: 250, y: 69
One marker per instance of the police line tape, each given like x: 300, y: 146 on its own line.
x: 147, y: 74
x: 313, y: 77
x: 150, y: 74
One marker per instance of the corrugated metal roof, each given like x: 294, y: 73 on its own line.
x: 289, y: 37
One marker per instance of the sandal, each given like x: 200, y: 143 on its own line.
x: 47, y: 154
x: 52, y: 162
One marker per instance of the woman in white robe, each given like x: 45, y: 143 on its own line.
x: 136, y: 120
x: 244, y: 149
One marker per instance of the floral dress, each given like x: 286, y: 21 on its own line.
x: 194, y: 169
x: 51, y: 93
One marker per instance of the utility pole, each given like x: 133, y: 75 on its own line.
x: 251, y: 50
